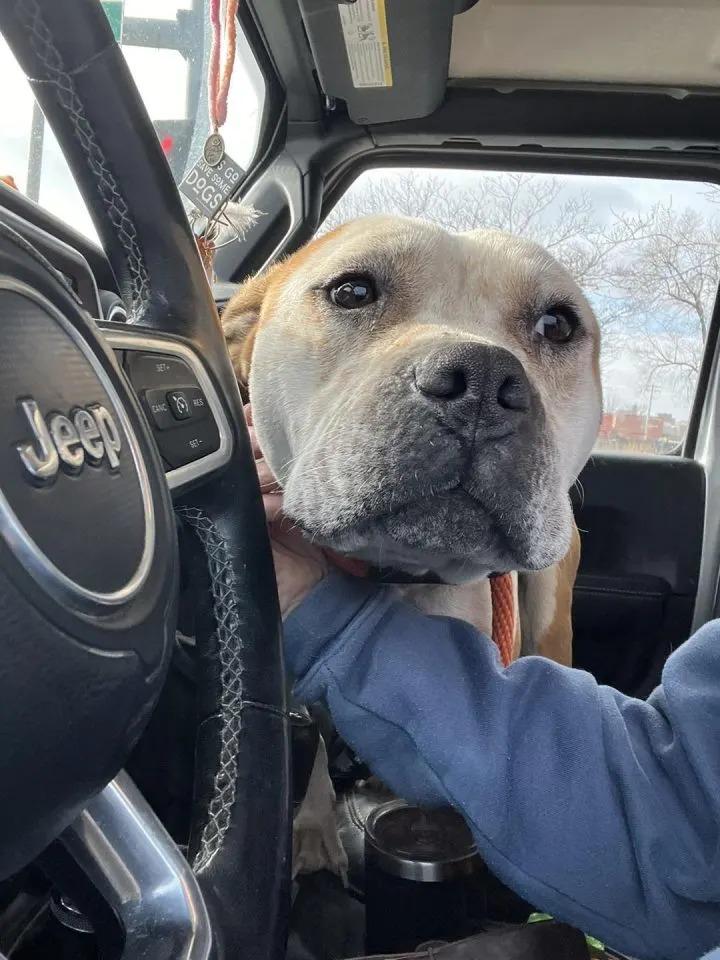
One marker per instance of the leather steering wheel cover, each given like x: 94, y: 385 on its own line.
x: 81, y: 80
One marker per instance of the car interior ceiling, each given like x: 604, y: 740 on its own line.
x: 650, y: 565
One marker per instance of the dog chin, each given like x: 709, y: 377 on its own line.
x: 450, y: 535
x: 379, y: 545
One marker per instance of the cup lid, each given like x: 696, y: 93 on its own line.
x: 418, y: 844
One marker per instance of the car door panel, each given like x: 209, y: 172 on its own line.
x: 641, y: 525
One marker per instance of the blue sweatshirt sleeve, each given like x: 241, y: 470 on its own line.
x: 597, y: 808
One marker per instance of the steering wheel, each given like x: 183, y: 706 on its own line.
x: 88, y: 545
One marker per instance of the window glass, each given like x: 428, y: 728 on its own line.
x: 166, y: 44
x: 646, y: 253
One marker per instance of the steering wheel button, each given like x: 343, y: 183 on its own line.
x: 191, y: 441
x: 190, y: 403
x: 179, y: 404
x: 156, y: 403
x: 150, y: 370
x: 198, y: 403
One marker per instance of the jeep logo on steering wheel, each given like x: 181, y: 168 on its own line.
x: 88, y: 433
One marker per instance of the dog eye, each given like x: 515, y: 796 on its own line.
x: 556, y: 325
x: 353, y: 293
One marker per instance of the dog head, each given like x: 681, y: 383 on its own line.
x: 426, y: 399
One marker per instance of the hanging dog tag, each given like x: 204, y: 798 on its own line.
x: 213, y: 179
x: 214, y: 149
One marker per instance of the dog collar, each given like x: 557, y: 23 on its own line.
x: 502, y: 596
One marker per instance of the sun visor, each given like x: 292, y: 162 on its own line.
x: 387, y: 59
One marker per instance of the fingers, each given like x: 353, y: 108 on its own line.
x: 268, y: 483
x: 272, y: 503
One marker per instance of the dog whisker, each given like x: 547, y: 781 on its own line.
x: 581, y: 491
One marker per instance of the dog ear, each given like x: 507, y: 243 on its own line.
x: 240, y: 323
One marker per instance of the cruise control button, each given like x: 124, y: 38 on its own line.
x: 198, y: 404
x: 159, y: 409
x: 190, y: 441
x: 151, y: 370
x: 179, y: 404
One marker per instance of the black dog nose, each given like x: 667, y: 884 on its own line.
x: 474, y: 371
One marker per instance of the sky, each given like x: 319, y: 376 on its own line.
x: 161, y: 75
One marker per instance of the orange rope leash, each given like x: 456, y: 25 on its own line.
x: 502, y: 594
x: 231, y: 11
x: 214, y: 64
x: 219, y: 76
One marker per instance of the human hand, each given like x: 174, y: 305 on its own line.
x: 299, y: 566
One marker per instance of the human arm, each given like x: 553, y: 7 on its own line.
x: 600, y: 809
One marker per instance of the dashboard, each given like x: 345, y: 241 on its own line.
x: 170, y: 381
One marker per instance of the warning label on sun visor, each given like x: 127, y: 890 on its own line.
x: 364, y: 27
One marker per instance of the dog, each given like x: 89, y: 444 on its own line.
x: 426, y: 400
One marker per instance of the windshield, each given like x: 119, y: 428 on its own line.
x: 166, y: 44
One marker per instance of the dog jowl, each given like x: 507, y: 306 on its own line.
x: 426, y: 399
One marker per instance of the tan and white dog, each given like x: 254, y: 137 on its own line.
x: 427, y: 400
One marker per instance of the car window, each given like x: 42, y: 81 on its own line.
x: 646, y: 252
x: 166, y: 45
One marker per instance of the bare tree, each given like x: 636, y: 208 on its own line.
x: 409, y: 194
x: 517, y: 203
x: 667, y: 273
